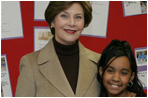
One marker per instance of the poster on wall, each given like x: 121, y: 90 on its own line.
x: 141, y: 60
x: 141, y: 56
x: 40, y: 7
x: 98, y: 26
x: 6, y: 90
x: 42, y: 36
x: 11, y: 25
x: 134, y: 8
x: 142, y: 75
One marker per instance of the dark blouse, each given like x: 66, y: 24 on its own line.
x: 69, y: 58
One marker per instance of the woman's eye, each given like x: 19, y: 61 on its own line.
x: 78, y: 17
x: 64, y: 16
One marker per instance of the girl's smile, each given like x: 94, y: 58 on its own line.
x: 117, y: 76
x: 115, y: 86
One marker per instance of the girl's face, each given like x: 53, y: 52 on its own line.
x: 69, y: 24
x: 117, y: 76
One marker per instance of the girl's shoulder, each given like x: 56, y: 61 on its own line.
x: 137, y: 95
x: 133, y: 94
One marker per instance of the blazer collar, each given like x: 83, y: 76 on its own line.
x: 50, y: 67
x: 87, y: 71
x: 46, y: 53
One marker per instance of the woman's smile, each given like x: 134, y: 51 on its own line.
x: 70, y: 31
x: 68, y: 26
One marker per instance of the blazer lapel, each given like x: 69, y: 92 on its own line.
x: 50, y: 67
x: 87, y: 72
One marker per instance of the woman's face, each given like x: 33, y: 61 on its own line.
x: 117, y: 76
x: 69, y: 24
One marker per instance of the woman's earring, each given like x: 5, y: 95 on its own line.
x: 51, y: 26
x: 130, y: 84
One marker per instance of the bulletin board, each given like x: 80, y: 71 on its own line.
x: 121, y: 25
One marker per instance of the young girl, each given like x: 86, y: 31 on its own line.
x: 118, y: 71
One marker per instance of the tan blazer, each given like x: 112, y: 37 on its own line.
x: 41, y: 75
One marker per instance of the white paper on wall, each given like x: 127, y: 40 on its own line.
x: 11, y: 25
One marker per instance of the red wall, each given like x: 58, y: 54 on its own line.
x: 131, y: 28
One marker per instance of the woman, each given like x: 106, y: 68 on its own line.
x: 64, y: 67
x: 118, y: 71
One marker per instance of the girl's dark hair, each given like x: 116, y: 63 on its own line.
x: 117, y: 49
x: 55, y: 7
